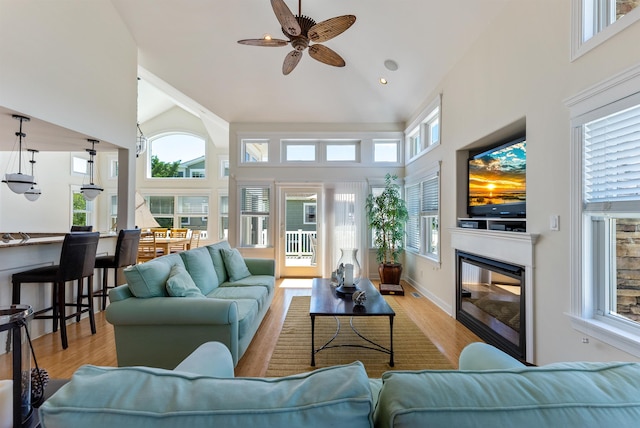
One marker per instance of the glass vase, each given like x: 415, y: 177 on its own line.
x: 348, y: 257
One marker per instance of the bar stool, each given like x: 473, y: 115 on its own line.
x: 125, y: 255
x: 77, y: 260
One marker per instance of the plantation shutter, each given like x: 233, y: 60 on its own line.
x: 430, y: 196
x: 255, y: 201
x: 413, y: 222
x: 611, y: 162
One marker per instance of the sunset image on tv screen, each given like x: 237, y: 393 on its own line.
x: 499, y: 176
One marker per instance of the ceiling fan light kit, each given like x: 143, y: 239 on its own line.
x: 301, y: 30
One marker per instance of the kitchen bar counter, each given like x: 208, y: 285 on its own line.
x: 17, y: 255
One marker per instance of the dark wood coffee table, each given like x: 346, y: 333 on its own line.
x: 325, y: 302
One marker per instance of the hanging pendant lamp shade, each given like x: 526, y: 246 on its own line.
x: 33, y: 193
x: 91, y: 191
x: 19, y: 182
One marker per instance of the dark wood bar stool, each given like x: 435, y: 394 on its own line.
x: 125, y: 255
x: 77, y: 261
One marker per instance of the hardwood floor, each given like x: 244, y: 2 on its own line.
x: 84, y: 348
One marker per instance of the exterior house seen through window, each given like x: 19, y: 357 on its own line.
x: 177, y: 155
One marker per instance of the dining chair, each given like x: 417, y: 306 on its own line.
x: 194, y: 242
x: 147, y: 249
x: 179, y: 233
x: 160, y: 232
x: 77, y: 261
x: 125, y: 254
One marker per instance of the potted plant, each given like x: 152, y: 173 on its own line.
x: 387, y: 215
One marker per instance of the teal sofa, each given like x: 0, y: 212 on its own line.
x: 490, y: 390
x: 174, y: 303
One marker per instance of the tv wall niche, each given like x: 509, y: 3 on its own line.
x: 492, y: 178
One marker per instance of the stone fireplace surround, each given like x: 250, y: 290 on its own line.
x: 510, y: 247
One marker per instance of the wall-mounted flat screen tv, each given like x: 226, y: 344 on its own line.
x: 497, y: 181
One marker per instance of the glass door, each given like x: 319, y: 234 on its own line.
x: 299, y: 227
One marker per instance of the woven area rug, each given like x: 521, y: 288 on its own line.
x: 412, y: 349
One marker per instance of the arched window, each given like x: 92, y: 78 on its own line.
x: 177, y: 155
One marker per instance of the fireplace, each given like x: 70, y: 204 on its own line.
x: 491, y: 301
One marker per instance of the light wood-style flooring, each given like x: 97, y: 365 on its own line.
x: 84, y: 348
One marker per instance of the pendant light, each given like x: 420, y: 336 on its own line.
x: 91, y: 191
x: 19, y: 182
x: 33, y: 193
x: 141, y: 142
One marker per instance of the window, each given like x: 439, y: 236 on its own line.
x: 254, y: 216
x: 309, y: 213
x: 423, y: 225
x: 224, y: 166
x: 82, y: 209
x: 113, y: 212
x: 171, y: 211
x: 193, y: 212
x: 385, y: 151
x: 595, y: 21
x: 79, y: 165
x: 177, y: 155
x: 299, y: 152
x: 113, y: 168
x: 606, y: 144
x: 342, y: 152
x: 425, y: 134
x: 255, y: 151
x: 223, y: 215
x: 162, y: 208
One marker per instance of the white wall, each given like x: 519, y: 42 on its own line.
x: 520, y: 68
x: 72, y: 64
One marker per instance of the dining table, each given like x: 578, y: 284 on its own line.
x: 166, y: 243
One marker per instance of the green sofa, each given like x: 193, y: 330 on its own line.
x: 490, y: 390
x: 172, y: 304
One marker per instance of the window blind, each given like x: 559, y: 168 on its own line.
x: 413, y: 222
x: 255, y: 201
x: 611, y: 161
x: 430, y: 195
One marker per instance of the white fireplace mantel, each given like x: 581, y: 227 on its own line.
x: 510, y: 247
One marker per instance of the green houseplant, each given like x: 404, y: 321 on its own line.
x: 387, y: 215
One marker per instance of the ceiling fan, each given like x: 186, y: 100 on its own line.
x: 301, y: 30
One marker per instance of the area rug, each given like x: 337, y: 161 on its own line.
x: 292, y: 354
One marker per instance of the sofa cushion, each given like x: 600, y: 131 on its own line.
x: 148, y: 279
x: 260, y: 294
x: 200, y: 266
x: 180, y: 284
x: 216, y: 256
x: 562, y: 395
x: 267, y: 281
x: 98, y: 397
x: 235, y: 265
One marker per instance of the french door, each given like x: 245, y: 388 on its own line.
x: 299, y: 226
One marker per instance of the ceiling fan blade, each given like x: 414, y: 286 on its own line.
x: 285, y: 17
x: 264, y: 42
x: 324, y: 54
x: 290, y: 61
x: 326, y: 30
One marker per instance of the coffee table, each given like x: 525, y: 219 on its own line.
x: 325, y: 302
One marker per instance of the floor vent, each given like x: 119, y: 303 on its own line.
x: 414, y: 294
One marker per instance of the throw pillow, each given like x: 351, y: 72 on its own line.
x: 235, y: 264
x: 180, y: 284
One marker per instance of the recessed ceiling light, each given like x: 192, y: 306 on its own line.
x: 391, y: 65
x: 383, y: 81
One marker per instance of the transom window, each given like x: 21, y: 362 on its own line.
x: 386, y: 151
x: 424, y: 135
x: 255, y: 151
x: 177, y: 155
x: 595, y: 21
